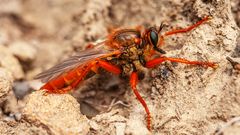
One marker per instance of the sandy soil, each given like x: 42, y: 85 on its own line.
x: 183, y: 99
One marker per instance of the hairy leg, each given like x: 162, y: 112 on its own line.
x: 184, y: 30
x: 157, y: 61
x: 133, y: 83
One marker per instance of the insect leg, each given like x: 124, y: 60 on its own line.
x: 133, y: 83
x: 82, y: 75
x: 184, y: 30
x: 157, y: 61
x: 58, y: 91
x: 109, y: 67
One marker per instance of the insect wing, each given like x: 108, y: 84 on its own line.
x: 75, y: 61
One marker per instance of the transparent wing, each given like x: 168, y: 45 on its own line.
x: 74, y: 61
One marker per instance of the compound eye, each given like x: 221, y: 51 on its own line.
x: 153, y: 35
x: 154, y: 38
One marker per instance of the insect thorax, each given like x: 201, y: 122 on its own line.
x: 129, y: 59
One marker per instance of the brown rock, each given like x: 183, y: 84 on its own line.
x: 6, y: 80
x: 15, y: 128
x: 58, y: 114
x: 8, y: 61
x: 10, y: 6
x: 23, y: 51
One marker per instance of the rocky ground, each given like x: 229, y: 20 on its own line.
x: 183, y: 99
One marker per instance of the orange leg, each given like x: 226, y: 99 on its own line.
x: 133, y: 83
x: 58, y: 91
x: 188, y: 28
x: 157, y: 61
x: 82, y: 76
x: 184, y: 30
x: 103, y: 64
x: 109, y: 67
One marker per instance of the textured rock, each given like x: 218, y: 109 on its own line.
x: 58, y: 114
x: 8, y: 61
x: 24, y: 51
x: 6, y: 80
x: 20, y: 128
x: 115, y: 123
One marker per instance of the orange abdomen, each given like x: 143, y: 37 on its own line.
x: 63, y: 80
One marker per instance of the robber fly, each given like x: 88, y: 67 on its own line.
x: 122, y: 52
